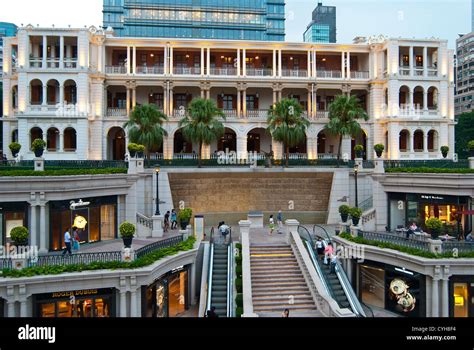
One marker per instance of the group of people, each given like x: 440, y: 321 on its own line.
x: 271, y: 223
x: 327, y: 254
x: 72, y: 241
x: 171, y: 219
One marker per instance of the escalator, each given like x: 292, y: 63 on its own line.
x: 336, y: 283
x: 220, y: 276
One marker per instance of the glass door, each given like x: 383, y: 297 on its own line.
x: 107, y: 222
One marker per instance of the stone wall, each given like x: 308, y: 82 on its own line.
x: 243, y: 192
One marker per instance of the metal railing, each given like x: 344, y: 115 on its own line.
x: 210, y: 271
x: 295, y: 73
x: 149, y: 70
x: 259, y: 72
x: 257, y: 113
x: 329, y: 74
x: 435, y: 163
x: 6, y: 264
x: 187, y: 70
x: 230, y: 276
x: 223, y: 71
x: 64, y: 164
x: 166, y: 243
x: 460, y: 247
x: 367, y: 204
x: 395, y: 239
x: 75, y: 259
x: 116, y: 112
x: 116, y: 70
x: 359, y: 75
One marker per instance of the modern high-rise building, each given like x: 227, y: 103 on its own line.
x: 322, y: 28
x: 464, y: 74
x: 201, y: 19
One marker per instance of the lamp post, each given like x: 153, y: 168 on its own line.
x: 157, y: 211
x: 356, y: 171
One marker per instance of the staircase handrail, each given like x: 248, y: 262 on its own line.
x: 211, y: 268
x: 349, y: 291
x: 230, y: 277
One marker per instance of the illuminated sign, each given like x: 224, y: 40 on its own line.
x: 80, y: 222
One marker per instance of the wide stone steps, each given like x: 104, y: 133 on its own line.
x: 279, y: 308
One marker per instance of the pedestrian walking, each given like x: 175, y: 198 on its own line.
x: 285, y: 313
x: 320, y: 248
x: 76, y: 239
x: 224, y: 230
x: 333, y: 263
x: 174, y: 220
x: 328, y: 251
x: 67, y: 242
x: 167, y: 221
x: 271, y: 225
x: 212, y: 313
x: 280, y: 222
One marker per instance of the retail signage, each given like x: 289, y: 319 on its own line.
x: 431, y: 197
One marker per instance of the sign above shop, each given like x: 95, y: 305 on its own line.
x: 431, y: 197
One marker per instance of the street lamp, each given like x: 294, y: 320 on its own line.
x: 356, y: 171
x: 157, y: 211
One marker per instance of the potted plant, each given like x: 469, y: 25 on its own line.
x: 132, y: 149
x: 444, y: 151
x: 379, y: 148
x: 184, y: 217
x: 38, y: 146
x: 127, y: 231
x: 470, y: 147
x: 344, y: 210
x: 359, y: 150
x: 434, y: 225
x: 19, y: 235
x: 140, y: 151
x: 15, y: 148
x: 356, y: 214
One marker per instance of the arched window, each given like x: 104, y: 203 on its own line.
x: 53, y: 92
x: 418, y: 142
x: 52, y: 140
x: 404, y: 141
x: 36, y: 92
x: 70, y: 140
x: 70, y: 92
x: 433, y: 141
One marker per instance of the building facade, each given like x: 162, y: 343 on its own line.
x: 322, y: 28
x: 203, y: 19
x: 464, y: 74
x: 76, y: 87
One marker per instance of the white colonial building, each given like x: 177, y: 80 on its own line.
x: 75, y: 88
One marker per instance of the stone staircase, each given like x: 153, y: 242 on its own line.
x: 278, y: 283
x: 219, y: 280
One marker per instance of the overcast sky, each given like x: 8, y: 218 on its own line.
x: 395, y: 18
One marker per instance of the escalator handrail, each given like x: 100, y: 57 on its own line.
x: 328, y: 238
x: 210, y: 270
x: 230, y: 286
x: 349, y: 292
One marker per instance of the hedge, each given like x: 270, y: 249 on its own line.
x: 112, y: 265
x: 64, y: 172
x: 430, y: 170
x: 410, y: 251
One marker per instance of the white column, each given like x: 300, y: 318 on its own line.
x: 123, y: 304
x: 61, y: 94
x: 314, y: 64
x: 166, y: 61
x: 23, y: 308
x: 412, y: 63
x: 128, y: 60
x: 45, y: 95
x: 61, y: 52
x: 128, y: 101
x: 425, y: 61
x: 42, y: 227
x: 445, y: 297
x: 239, y: 103
x: 309, y: 64
x: 343, y: 65
x: 279, y: 64
x: 171, y: 103
x: 203, y: 63
x: 101, y: 61
x: 425, y: 142
x: 244, y: 103
x: 133, y: 304
x: 171, y: 61
x: 274, y: 97
x: 309, y: 104
x: 134, y: 97
x: 348, y: 65
x: 425, y: 100
x: 134, y: 60
x: 34, y: 224
x: 208, y: 59
x: 274, y: 64
x: 244, y: 63
x: 61, y: 142
x: 238, y: 63
x: 434, y: 298
x: 45, y: 50
x: 11, y: 309
x: 412, y: 142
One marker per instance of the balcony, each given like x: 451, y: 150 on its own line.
x: 187, y: 70
x: 36, y: 62
x: 257, y: 113
x: 295, y: 73
x: 230, y: 113
x: 149, y: 70
x: 70, y: 63
x: 404, y: 71
x: 432, y: 72
x: 322, y: 114
x: 259, y: 72
x: 223, y: 71
x: 115, y: 70
x: 53, y: 63
x: 116, y: 112
x: 361, y: 75
x: 179, y: 113
x: 418, y: 72
x: 329, y: 74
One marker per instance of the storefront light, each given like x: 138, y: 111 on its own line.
x: 403, y: 270
x: 458, y: 300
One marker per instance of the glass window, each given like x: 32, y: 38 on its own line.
x: 461, y: 300
x: 372, y: 288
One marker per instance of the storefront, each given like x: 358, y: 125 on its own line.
x: 78, y: 303
x: 392, y: 288
x: 405, y: 208
x: 168, y: 296
x: 12, y: 215
x: 461, y: 291
x: 95, y: 220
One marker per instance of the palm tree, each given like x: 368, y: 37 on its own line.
x: 344, y: 114
x: 286, y: 124
x: 202, y: 125
x: 145, y: 126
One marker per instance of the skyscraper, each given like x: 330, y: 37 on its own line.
x: 205, y: 19
x: 322, y: 28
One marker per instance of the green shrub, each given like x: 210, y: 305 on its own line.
x: 470, y: 145
x: 239, y: 300
x: 15, y: 147
x: 38, y: 144
x: 133, y: 147
x: 239, y: 246
x: 185, y: 215
x: 127, y: 229
x: 379, y: 148
x: 356, y: 213
x: 19, y: 235
x: 359, y: 148
x: 66, y: 172
x: 140, y: 149
x: 444, y: 149
x: 238, y: 260
x: 238, y: 270
x: 424, y: 170
x: 344, y: 209
x: 238, y: 285
x: 239, y: 312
